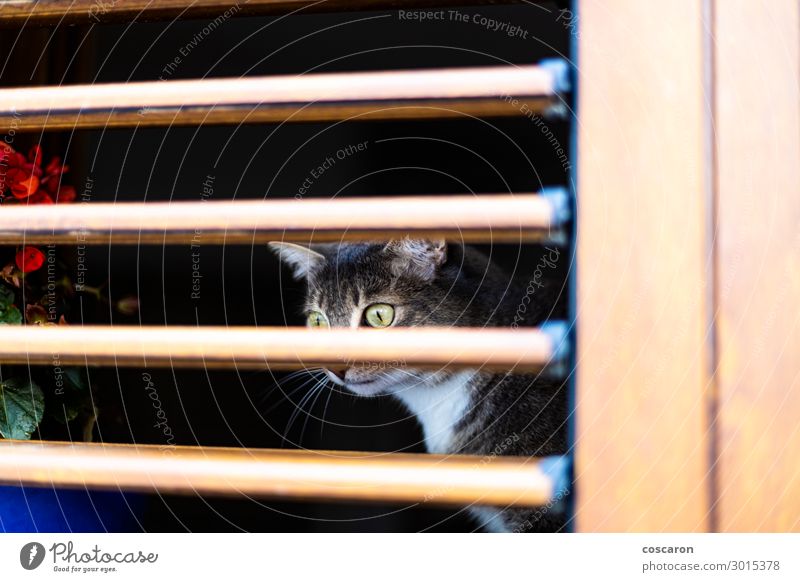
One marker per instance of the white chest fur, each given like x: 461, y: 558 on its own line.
x: 438, y: 408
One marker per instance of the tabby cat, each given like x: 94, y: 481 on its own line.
x: 411, y: 283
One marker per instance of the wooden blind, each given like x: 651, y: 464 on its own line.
x: 509, y: 217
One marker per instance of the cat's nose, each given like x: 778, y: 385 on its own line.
x: 338, y: 372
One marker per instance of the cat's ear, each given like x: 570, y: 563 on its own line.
x: 417, y: 257
x: 302, y: 260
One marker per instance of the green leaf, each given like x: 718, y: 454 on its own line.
x: 21, y: 408
x: 10, y: 316
x: 8, y: 312
x: 6, y: 297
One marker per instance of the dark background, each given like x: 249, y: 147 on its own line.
x: 244, y: 285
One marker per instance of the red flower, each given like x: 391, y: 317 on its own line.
x: 51, y: 182
x: 22, y: 174
x: 29, y: 259
x: 35, y: 155
x: 26, y: 180
x: 55, y: 167
x: 41, y: 197
x: 6, y: 153
x: 23, y: 185
x: 65, y: 194
x: 11, y: 159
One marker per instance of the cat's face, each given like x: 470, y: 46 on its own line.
x: 373, y: 285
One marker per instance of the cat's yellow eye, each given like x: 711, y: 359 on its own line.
x: 379, y: 315
x: 317, y: 319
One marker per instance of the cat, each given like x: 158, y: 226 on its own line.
x: 410, y: 282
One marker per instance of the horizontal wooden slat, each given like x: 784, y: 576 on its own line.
x: 498, y: 218
x: 323, y: 475
x: 283, y: 348
x: 315, y: 97
x: 28, y: 12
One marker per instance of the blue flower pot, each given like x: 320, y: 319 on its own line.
x: 48, y: 510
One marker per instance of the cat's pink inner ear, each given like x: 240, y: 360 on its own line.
x: 302, y: 260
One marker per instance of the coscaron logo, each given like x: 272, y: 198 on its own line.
x: 31, y: 555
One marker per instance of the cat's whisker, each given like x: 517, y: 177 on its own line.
x: 402, y: 369
x: 290, y: 377
x: 320, y: 390
x: 412, y: 375
x: 418, y: 379
x: 297, y: 411
x: 286, y: 398
x: 303, y: 372
x: 301, y: 409
x: 287, y: 395
x: 294, y: 374
x: 277, y: 384
x: 325, y: 411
